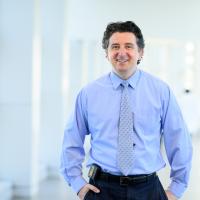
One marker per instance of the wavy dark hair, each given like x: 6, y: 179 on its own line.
x: 121, y: 27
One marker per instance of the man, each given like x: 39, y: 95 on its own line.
x: 127, y: 112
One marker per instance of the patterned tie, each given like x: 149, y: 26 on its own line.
x: 125, y: 137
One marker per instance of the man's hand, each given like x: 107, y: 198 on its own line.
x: 85, y: 189
x: 170, y: 196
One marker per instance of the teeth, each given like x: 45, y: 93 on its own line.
x: 122, y: 61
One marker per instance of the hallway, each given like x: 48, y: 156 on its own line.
x: 52, y: 49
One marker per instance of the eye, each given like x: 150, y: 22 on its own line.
x: 129, y: 46
x: 115, y: 47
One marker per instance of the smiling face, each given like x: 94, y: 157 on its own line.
x: 123, y: 53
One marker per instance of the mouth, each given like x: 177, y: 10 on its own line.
x: 121, y: 60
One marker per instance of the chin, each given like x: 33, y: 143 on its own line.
x: 123, y: 72
x: 122, y: 68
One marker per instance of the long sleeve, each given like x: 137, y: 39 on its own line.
x: 73, y: 152
x: 178, y: 146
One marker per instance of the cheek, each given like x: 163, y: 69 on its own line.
x: 133, y: 56
x: 112, y: 56
x: 132, y: 53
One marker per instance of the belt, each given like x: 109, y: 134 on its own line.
x: 126, y: 180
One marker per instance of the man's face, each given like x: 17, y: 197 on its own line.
x: 123, y: 53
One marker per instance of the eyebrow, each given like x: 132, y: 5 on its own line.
x: 128, y: 43
x: 115, y: 44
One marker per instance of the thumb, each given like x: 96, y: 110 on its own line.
x: 93, y: 188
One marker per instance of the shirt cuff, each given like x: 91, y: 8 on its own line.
x: 77, y: 183
x: 177, y: 189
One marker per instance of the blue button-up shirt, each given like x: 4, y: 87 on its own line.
x: 155, y: 113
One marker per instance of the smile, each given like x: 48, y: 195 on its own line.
x: 121, y: 61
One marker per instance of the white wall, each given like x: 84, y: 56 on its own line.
x: 52, y: 31
x: 174, y: 19
x: 19, y: 95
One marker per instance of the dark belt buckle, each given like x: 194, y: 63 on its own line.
x: 124, y: 181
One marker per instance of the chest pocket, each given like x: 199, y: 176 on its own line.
x: 148, y: 122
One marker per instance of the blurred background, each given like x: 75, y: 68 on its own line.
x: 49, y: 49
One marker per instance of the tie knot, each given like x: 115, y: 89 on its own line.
x: 125, y: 84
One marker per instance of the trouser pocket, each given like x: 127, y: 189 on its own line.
x: 87, y: 195
x: 161, y: 191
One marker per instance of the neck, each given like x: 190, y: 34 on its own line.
x: 124, y: 76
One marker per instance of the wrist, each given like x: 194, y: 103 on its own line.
x: 170, y: 195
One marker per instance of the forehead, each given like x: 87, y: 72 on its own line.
x: 122, y: 38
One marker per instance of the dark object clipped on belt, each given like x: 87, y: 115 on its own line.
x: 94, y: 171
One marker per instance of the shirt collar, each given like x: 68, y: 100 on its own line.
x: 116, y: 80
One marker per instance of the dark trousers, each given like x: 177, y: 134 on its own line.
x: 150, y: 190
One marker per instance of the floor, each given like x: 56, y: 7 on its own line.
x: 52, y: 189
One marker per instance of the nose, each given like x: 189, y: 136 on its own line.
x: 121, y: 52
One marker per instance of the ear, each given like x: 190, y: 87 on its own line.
x: 141, y: 52
x: 107, y: 54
